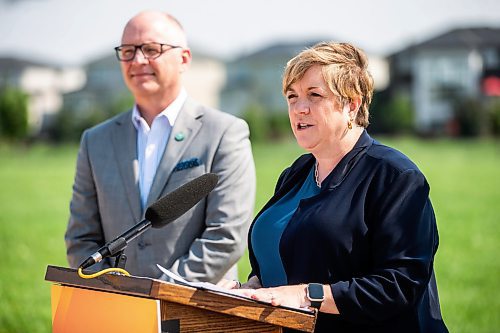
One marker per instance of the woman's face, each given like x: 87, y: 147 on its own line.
x: 317, y: 118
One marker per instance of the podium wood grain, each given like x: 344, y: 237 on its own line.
x: 197, y: 310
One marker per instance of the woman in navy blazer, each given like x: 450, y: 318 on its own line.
x: 352, y: 215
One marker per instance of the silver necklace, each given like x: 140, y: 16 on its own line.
x: 316, y: 175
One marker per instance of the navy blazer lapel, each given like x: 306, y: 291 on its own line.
x: 187, y: 125
x: 124, y: 139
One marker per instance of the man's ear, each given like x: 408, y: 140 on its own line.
x: 186, y: 59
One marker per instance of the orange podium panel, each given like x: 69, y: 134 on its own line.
x: 83, y: 310
x: 117, y: 303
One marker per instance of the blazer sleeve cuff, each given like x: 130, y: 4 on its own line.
x: 339, y: 292
x: 348, y: 304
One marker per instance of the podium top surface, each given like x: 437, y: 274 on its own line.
x: 175, y: 293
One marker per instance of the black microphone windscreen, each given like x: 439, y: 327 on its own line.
x: 176, y: 203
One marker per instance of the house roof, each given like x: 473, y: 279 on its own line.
x: 468, y: 38
x: 16, y: 63
x: 279, y: 49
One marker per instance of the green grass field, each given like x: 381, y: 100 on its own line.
x: 35, y: 187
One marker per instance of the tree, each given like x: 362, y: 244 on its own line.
x: 70, y: 123
x: 13, y: 113
x: 391, y: 113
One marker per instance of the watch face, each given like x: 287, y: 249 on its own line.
x: 315, y: 292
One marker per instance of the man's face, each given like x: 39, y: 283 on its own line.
x: 160, y: 76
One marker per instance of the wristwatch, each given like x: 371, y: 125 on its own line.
x: 315, y: 294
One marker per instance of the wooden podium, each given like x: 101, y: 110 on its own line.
x: 116, y: 303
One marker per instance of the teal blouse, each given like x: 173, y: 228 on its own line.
x: 268, y: 228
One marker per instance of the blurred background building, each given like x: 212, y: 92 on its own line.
x: 458, y: 65
x: 44, y: 84
x: 255, y: 78
x: 442, y: 83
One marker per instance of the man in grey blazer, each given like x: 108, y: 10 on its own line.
x: 128, y: 162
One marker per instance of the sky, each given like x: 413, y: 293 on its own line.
x: 73, y: 32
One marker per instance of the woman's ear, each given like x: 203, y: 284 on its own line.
x: 354, y: 104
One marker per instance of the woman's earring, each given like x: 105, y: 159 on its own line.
x: 349, y: 124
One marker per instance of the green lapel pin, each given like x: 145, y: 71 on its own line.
x: 179, y: 136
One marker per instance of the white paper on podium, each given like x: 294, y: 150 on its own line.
x: 198, y: 285
x: 215, y: 288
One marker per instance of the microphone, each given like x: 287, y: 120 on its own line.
x: 162, y: 212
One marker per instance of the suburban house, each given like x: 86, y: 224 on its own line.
x: 436, y: 73
x: 44, y: 84
x: 103, y: 87
x: 433, y: 74
x: 255, y: 79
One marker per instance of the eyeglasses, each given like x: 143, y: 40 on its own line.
x: 127, y: 52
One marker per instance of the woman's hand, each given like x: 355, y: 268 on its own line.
x: 252, y: 283
x: 229, y: 284
x: 292, y: 296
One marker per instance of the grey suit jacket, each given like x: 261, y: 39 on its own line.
x: 201, y: 245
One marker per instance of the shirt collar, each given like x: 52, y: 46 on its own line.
x: 171, y: 111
